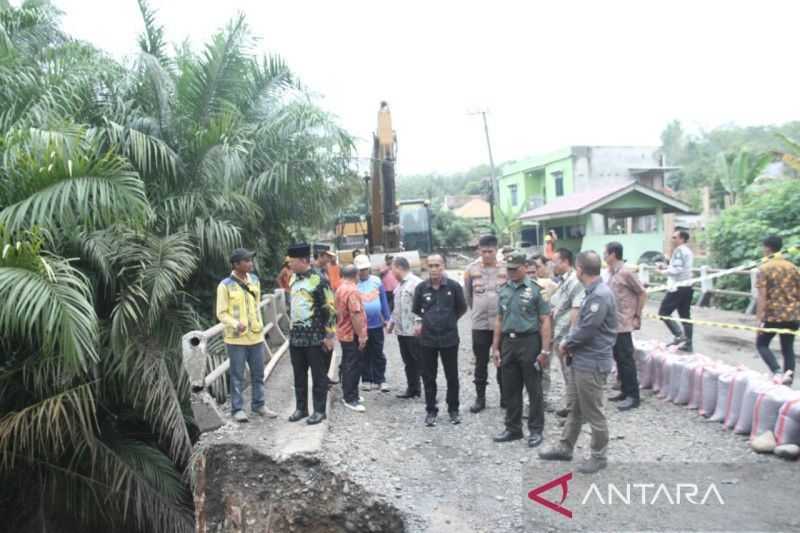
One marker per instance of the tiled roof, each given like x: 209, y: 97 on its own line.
x: 475, y: 208
x: 576, y: 201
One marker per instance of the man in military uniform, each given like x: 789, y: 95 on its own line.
x: 482, y: 281
x: 312, y: 325
x: 588, y: 347
x: 537, y: 271
x: 521, y: 348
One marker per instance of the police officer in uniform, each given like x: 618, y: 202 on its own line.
x: 521, y: 349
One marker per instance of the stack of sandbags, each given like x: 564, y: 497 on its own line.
x: 724, y: 390
x: 755, y: 388
x: 768, y: 407
x: 707, y: 391
x: 736, y: 395
x: 685, y: 380
x: 648, y: 371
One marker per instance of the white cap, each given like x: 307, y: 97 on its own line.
x: 362, y: 261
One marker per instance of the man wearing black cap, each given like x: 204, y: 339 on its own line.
x: 313, y: 323
x: 238, y: 296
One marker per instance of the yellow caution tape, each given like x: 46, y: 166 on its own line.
x: 746, y: 266
x: 779, y: 331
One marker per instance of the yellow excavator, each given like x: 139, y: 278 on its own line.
x: 400, y: 227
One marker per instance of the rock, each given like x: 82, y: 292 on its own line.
x: 499, y: 498
x: 523, y: 460
x: 764, y: 443
x: 730, y: 481
x: 787, y: 451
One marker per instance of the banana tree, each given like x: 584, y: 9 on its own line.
x: 738, y: 170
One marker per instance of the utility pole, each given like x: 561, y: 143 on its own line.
x: 493, y: 177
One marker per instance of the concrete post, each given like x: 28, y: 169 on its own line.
x: 751, y: 306
x: 706, y: 288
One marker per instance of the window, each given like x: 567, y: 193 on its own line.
x: 513, y: 190
x: 559, y: 178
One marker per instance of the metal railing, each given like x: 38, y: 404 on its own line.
x: 194, y: 351
x: 707, y: 290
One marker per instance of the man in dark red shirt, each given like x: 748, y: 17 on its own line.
x: 351, y: 330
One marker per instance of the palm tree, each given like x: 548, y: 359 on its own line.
x: 147, y: 178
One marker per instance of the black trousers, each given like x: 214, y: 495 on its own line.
x: 517, y: 357
x: 412, y: 360
x: 303, y: 358
x: 430, y: 362
x: 680, y: 299
x: 626, y: 368
x: 787, y: 345
x: 482, y: 347
x: 390, y: 300
x: 352, y: 359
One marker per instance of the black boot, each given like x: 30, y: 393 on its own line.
x: 676, y: 332
x: 687, y: 333
x: 480, y: 404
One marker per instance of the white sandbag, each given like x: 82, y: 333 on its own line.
x: 768, y: 405
x: 787, y: 428
x: 738, y: 388
x: 666, y: 376
x: 659, y: 359
x: 764, y: 443
x: 648, y: 372
x: 709, y: 381
x: 686, y: 388
x: 747, y: 411
x: 724, y: 390
x: 675, y: 381
x: 787, y: 451
x: 642, y: 350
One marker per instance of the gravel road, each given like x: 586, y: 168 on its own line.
x: 455, y: 478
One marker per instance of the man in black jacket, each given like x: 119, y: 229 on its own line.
x: 439, y: 301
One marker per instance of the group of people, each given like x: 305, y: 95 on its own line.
x: 526, y: 312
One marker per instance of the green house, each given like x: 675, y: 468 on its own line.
x: 568, y: 175
x: 628, y: 213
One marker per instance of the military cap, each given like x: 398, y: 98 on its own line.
x: 516, y: 259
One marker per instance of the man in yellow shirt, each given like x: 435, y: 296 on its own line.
x: 238, y: 296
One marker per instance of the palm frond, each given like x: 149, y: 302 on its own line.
x: 49, y: 427
x: 145, y: 485
x: 50, y: 307
x: 152, y: 40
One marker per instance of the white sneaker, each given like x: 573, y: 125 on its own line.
x: 240, y: 416
x: 385, y: 387
x: 366, y: 386
x: 360, y: 399
x: 263, y: 411
x: 354, y: 406
x: 375, y: 386
x: 787, y: 378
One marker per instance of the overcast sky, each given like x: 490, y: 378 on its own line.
x: 551, y: 73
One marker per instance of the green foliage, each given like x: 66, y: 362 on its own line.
x: 736, y: 172
x: 508, y: 225
x: 436, y: 186
x: 451, y: 232
x: 697, y: 154
x: 146, y: 177
x: 736, y: 235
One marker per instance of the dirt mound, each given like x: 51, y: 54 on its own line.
x: 252, y: 492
